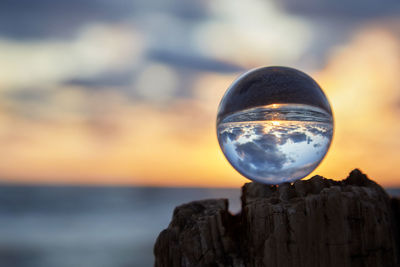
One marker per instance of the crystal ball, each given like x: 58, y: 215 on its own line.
x: 274, y: 125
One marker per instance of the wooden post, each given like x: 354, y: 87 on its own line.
x: 316, y: 222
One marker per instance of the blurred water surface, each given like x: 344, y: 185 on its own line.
x: 55, y: 226
x: 58, y: 226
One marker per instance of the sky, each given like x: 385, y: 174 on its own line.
x: 127, y: 91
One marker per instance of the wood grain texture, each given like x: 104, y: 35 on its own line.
x: 316, y: 222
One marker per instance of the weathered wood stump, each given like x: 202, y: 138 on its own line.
x: 317, y: 222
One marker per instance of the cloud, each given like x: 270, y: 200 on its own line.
x: 320, y: 131
x: 242, y: 33
x: 70, y: 111
x: 260, y: 156
x: 297, y: 137
x: 363, y: 96
x: 97, y: 49
x: 354, y: 10
x: 231, y: 135
x: 57, y: 19
x: 275, y: 152
x: 194, y: 62
x: 40, y: 19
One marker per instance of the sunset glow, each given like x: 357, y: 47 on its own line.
x: 158, y: 127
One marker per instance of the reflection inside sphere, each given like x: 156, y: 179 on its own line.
x: 276, y: 143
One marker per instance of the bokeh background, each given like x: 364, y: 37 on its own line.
x: 124, y: 94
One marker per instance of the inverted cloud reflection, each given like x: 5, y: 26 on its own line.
x: 271, y: 152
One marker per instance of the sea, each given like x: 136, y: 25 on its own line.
x: 74, y: 226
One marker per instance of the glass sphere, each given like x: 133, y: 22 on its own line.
x: 274, y: 125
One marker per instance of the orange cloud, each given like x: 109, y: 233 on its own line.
x: 361, y: 81
x: 116, y: 141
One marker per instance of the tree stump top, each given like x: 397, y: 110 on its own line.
x: 315, y: 222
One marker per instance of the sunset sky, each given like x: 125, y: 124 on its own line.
x: 127, y: 91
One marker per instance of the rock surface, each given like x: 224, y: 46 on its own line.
x: 316, y: 222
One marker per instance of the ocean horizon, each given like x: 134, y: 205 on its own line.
x: 99, y: 226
